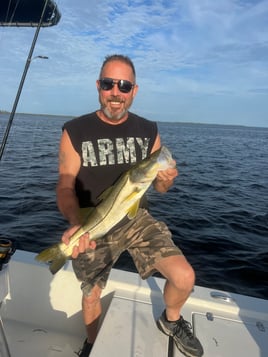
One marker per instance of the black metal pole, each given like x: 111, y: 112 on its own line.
x: 12, y: 114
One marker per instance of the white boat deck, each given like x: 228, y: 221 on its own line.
x: 42, y: 317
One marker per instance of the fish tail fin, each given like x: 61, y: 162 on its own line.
x: 54, y: 256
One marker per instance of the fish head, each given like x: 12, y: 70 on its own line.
x: 147, y: 169
x: 165, y: 160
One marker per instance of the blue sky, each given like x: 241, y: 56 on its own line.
x: 196, y: 61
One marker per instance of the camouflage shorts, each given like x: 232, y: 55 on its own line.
x: 146, y: 239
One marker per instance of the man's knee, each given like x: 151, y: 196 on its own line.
x: 178, y: 272
x: 187, y: 278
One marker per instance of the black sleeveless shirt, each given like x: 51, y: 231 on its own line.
x: 106, y: 151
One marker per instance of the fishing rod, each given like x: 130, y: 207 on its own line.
x: 27, y: 65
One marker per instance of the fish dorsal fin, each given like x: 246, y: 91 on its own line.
x: 121, y: 182
x: 85, y: 212
x: 132, y: 212
x: 105, y: 193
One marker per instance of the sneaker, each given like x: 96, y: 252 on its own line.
x: 86, y: 349
x: 181, y: 332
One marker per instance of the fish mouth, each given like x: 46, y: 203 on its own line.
x: 165, y: 159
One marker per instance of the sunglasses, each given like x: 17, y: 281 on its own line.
x: 123, y: 85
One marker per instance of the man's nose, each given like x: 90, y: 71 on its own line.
x: 115, y: 90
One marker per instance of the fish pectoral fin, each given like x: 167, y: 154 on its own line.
x: 132, y: 212
x: 132, y: 195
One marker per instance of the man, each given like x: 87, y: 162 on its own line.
x: 95, y: 150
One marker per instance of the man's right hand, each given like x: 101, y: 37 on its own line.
x: 84, y: 242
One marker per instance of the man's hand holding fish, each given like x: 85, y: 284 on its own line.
x: 83, y: 244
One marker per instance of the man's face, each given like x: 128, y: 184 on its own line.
x: 115, y: 103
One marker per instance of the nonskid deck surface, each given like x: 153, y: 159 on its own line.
x: 129, y: 330
x: 26, y: 340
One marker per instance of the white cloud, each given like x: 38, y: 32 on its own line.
x: 180, y: 48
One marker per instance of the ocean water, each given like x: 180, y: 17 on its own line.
x: 217, y: 210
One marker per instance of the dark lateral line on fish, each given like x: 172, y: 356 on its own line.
x: 107, y: 213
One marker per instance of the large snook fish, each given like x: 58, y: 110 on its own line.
x: 120, y: 200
